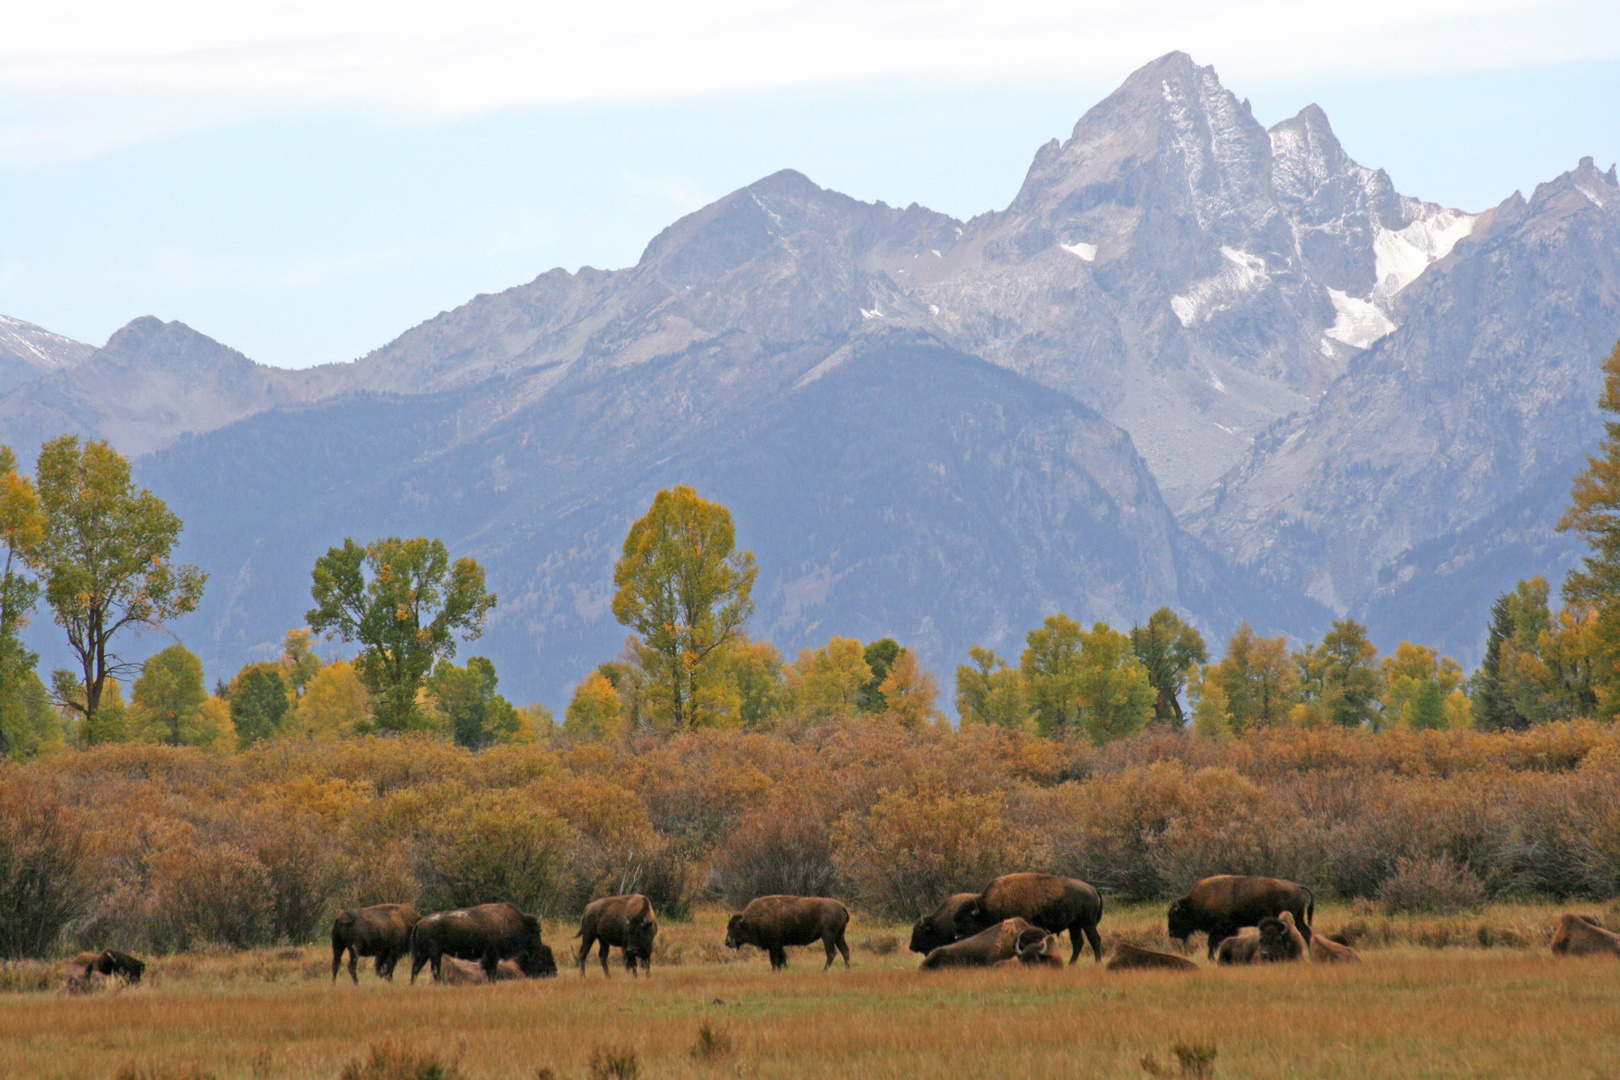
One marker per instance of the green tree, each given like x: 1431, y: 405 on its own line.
x: 829, y: 680
x: 405, y: 602
x: 1168, y: 650
x: 1116, y: 698
x: 476, y: 715
x: 169, y: 696
x: 880, y: 655
x: 685, y: 589
x: 989, y: 692
x: 22, y: 527
x: 29, y: 724
x: 1350, y: 679
x: 1050, y: 668
x: 259, y: 702
x: 595, y: 711
x: 104, y: 557
x: 299, y: 663
x: 1594, y: 515
x: 1493, y: 708
x: 1258, y: 678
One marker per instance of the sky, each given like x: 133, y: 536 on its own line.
x: 304, y: 181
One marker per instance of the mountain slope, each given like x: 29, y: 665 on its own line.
x: 29, y: 352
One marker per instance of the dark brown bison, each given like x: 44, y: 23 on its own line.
x: 381, y: 930
x: 1239, y: 949
x: 774, y: 922
x: 1221, y: 906
x: 989, y: 946
x: 110, y: 963
x: 1127, y: 957
x: 625, y: 922
x: 488, y: 933
x: 1584, y: 935
x: 1274, y: 941
x: 932, y: 931
x: 1054, y: 904
x: 1325, y: 950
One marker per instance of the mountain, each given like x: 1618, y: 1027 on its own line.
x: 1195, y: 361
x: 28, y: 352
x: 152, y: 383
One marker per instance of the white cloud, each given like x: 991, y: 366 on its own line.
x: 481, y: 54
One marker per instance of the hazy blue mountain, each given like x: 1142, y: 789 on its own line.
x: 1195, y: 361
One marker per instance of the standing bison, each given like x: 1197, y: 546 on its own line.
x: 1221, y: 906
x: 1006, y: 940
x: 382, y: 931
x: 932, y: 931
x: 774, y: 922
x: 627, y: 922
x: 1584, y: 935
x: 1054, y: 904
x: 488, y: 933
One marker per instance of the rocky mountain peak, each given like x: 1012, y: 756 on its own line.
x: 172, y: 346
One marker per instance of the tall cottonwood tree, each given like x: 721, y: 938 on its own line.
x: 104, y: 556
x: 22, y: 527
x: 1168, y: 650
x: 685, y: 589
x: 1594, y: 514
x: 405, y: 601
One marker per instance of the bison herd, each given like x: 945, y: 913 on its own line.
x: 1014, y: 921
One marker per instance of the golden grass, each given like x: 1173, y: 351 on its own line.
x: 1408, y: 1012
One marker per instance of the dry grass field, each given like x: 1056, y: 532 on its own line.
x: 1467, y: 996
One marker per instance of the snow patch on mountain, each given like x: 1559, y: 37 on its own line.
x: 1359, y: 323
x: 39, y: 346
x: 1243, y: 276
x: 1085, y: 252
x: 1403, y: 254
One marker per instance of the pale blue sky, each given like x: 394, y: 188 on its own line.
x: 308, y: 196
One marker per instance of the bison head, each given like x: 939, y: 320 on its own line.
x: 926, y: 937
x: 639, y: 940
x: 1276, y: 942
x: 736, y: 933
x: 1181, y: 920
x: 970, y: 919
x: 538, y: 963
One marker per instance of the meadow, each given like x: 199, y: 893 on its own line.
x: 1474, y: 995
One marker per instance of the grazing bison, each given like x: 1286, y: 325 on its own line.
x: 381, y: 930
x: 110, y: 963
x: 1325, y: 950
x: 932, y: 931
x: 1221, y: 906
x: 1127, y: 957
x: 1584, y: 935
x: 1054, y: 904
x: 488, y: 933
x: 774, y: 922
x: 627, y: 922
x: 989, y: 946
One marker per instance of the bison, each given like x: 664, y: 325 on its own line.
x: 488, y: 933
x: 1054, y: 904
x: 774, y: 922
x: 381, y: 930
x: 453, y: 972
x: 932, y: 931
x: 1002, y: 941
x: 1280, y: 939
x: 109, y: 963
x: 1221, y: 906
x: 627, y: 922
x: 1584, y: 935
x: 1325, y: 950
x: 1127, y: 957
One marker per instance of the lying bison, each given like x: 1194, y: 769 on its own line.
x: 381, y: 930
x: 932, y: 931
x: 1127, y: 957
x: 1054, y: 904
x: 626, y: 922
x: 488, y: 933
x: 1584, y: 935
x: 1037, y: 948
x: 1221, y: 906
x: 1325, y: 950
x: 453, y: 972
x: 774, y: 922
x: 1274, y: 941
x: 989, y: 946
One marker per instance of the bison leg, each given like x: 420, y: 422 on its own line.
x: 602, y: 955
x: 585, y: 950
x: 842, y: 948
x: 779, y: 958
x: 426, y: 956
x: 1089, y: 930
x: 337, y: 958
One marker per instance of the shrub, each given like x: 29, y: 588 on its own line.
x: 909, y: 852
x: 497, y: 846
x: 785, y: 848
x: 614, y: 1063
x: 713, y: 1042
x: 1431, y: 885
x: 44, y: 879
x: 387, y: 1061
